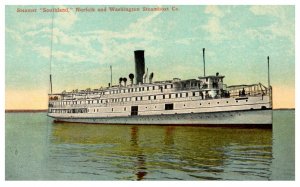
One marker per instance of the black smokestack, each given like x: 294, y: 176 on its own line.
x: 139, y: 65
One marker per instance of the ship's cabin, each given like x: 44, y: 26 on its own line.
x: 213, y: 86
x: 212, y: 82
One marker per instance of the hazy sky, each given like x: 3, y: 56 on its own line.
x: 237, y: 39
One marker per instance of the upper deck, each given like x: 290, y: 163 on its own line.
x: 209, y: 87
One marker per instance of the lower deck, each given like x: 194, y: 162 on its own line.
x: 248, y: 118
x: 242, y: 111
x: 162, y: 108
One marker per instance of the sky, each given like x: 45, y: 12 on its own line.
x: 237, y: 40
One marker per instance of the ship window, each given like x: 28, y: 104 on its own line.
x: 171, y: 85
x: 226, y: 101
x: 169, y: 106
x: 154, y: 97
x: 218, y: 102
x: 237, y: 101
x: 246, y: 100
x: 124, y: 108
x: 169, y: 96
x: 164, y: 96
x: 206, y: 79
x: 200, y: 103
x: 165, y: 86
x: 143, y: 88
x: 209, y: 103
x: 194, y: 94
x: 153, y: 87
x: 147, y: 88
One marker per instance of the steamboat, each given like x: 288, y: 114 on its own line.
x: 203, y: 101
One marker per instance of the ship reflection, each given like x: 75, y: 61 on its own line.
x: 140, y: 157
x: 169, y: 136
x: 143, y: 151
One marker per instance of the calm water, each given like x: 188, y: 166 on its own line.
x: 37, y: 149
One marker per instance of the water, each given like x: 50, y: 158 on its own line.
x: 37, y: 149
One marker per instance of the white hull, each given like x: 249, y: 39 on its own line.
x: 248, y: 118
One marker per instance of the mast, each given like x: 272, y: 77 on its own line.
x: 110, y: 75
x: 204, y: 60
x: 51, y: 54
x: 268, y: 73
